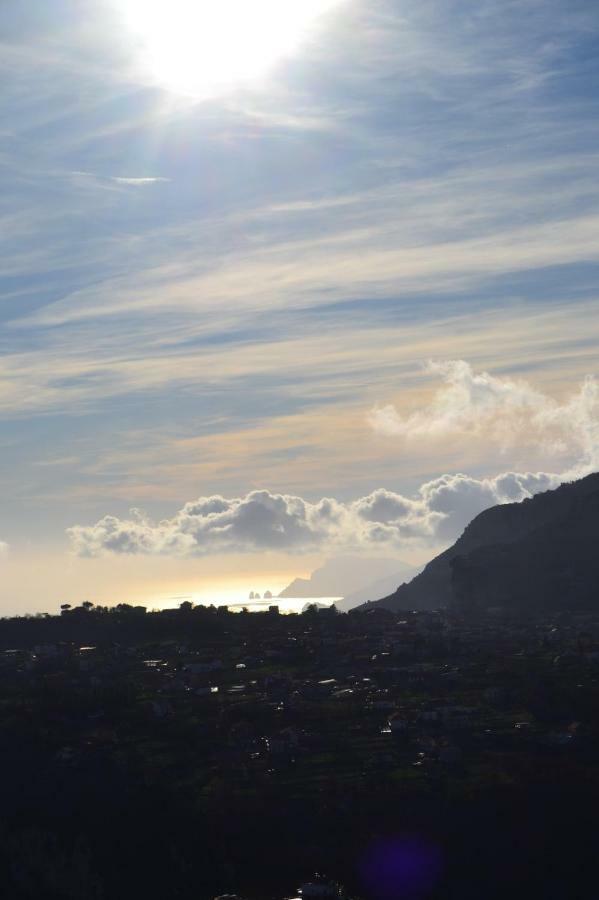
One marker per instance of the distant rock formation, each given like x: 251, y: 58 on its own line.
x: 267, y: 595
x: 299, y: 587
x: 341, y: 576
x: 542, y: 553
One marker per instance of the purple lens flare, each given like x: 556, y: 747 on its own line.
x: 402, y: 867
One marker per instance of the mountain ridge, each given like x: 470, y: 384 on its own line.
x: 496, y: 543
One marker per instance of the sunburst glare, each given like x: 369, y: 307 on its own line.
x: 202, y: 46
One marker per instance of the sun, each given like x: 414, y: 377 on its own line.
x: 205, y: 46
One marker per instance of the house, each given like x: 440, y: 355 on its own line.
x: 201, y: 668
x: 450, y: 755
x: 286, y: 741
x: 382, y: 705
x: 398, y: 724
x: 320, y: 887
x: 46, y: 651
x: 161, y: 709
x: 205, y: 691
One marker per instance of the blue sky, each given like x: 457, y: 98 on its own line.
x: 210, y: 294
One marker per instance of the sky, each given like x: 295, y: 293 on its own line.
x: 287, y: 281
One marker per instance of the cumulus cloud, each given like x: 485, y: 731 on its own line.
x: 261, y: 520
x: 467, y: 403
x: 504, y: 410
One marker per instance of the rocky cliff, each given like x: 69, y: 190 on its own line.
x: 540, y: 553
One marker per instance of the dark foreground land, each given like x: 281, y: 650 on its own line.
x: 190, y: 753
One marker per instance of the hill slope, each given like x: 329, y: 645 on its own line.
x: 540, y: 553
x: 376, y: 589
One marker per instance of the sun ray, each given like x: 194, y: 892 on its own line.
x: 204, y: 47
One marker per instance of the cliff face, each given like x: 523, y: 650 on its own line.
x: 541, y: 553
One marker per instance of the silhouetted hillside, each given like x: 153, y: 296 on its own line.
x: 375, y: 589
x: 540, y: 553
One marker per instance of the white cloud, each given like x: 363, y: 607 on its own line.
x: 509, y: 412
x: 123, y: 180
x: 261, y: 520
x: 468, y: 403
x: 105, y: 180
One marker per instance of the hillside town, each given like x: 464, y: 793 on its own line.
x: 346, y: 714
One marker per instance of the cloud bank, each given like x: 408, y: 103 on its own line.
x: 261, y: 520
x: 508, y: 412
x: 501, y: 409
